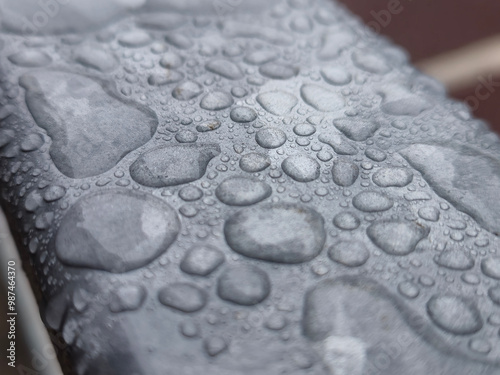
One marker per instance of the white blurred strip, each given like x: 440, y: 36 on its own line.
x: 461, y: 68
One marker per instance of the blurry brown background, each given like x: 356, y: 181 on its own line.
x: 456, y: 41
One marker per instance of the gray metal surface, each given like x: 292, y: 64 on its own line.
x: 261, y: 188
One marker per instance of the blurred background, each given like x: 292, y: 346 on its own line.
x: 455, y: 41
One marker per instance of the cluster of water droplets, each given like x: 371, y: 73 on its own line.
x: 203, y: 174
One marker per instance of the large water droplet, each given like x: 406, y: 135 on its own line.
x: 282, y: 233
x: 454, y: 314
x: 244, y: 285
x: 184, y: 297
x: 396, y: 237
x: 301, y: 168
x: 173, y: 165
x: 116, y: 231
x: 242, y: 191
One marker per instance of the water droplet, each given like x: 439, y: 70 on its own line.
x: 127, y: 298
x: 455, y: 259
x: 301, y: 168
x: 208, y: 126
x: 171, y: 60
x: 86, y: 142
x: 321, y: 99
x: 173, y: 165
x: 128, y: 230
x: 372, y: 201
x: 278, y: 70
x: 225, y: 68
x: 454, y: 314
x: 243, y: 114
x: 96, y: 58
x: 344, y: 172
x: 244, y: 285
x: 356, y: 129
x: 270, y: 138
x: 184, y: 297
x: 202, y: 260
x: 397, y: 177
x: 375, y: 154
x: 179, y: 40
x: 30, y: 59
x: 187, y: 90
x: 214, y: 346
x: 440, y: 166
x: 282, y: 233
x: 494, y: 294
x: 408, y: 289
x: 349, y: 253
x: 260, y: 57
x: 165, y: 78
x: 53, y: 193
x: 186, y: 136
x: 336, y: 76
x: 242, y: 191
x: 338, y: 143
x: 190, y: 193
x: 491, y: 267
x: 159, y: 21
x: 278, y: 103
x: 334, y: 43
x: 346, y: 221
x: 396, y: 237
x: 216, y: 100
x: 254, y: 162
x: 429, y: 213
x: 304, y: 130
x: 371, y: 62
x: 134, y: 39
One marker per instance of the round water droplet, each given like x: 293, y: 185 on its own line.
x: 494, y: 294
x: 128, y: 230
x: 455, y: 259
x: 270, y: 137
x: 244, y: 285
x: 336, y: 76
x: 408, y: 289
x: 301, y: 168
x: 254, y: 162
x: 349, y: 253
x: 491, y: 267
x: 202, y: 260
x: 397, y: 177
x: 216, y: 100
x: 243, y: 114
x: 127, y: 298
x: 372, y: 201
x: 184, y: 297
x: 344, y: 172
x: 53, y: 193
x: 304, y: 130
x: 30, y: 59
x: 346, y: 221
x: 242, y: 191
x: 190, y: 193
x: 283, y: 233
x: 187, y: 90
x: 454, y: 314
x: 278, y: 71
x: 429, y: 213
x: 396, y: 237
